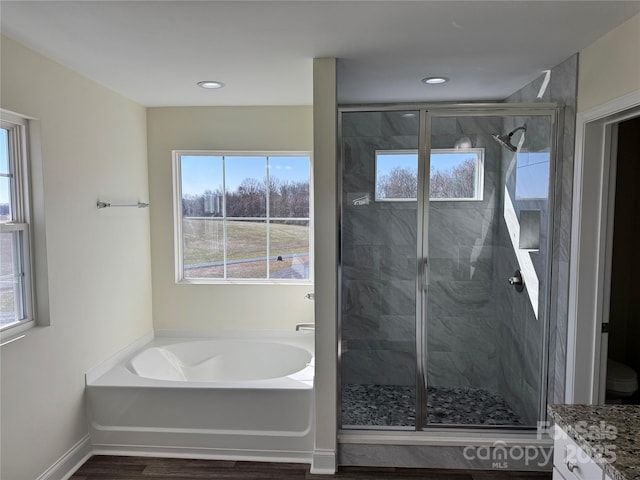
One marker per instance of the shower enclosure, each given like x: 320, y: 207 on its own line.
x: 445, y: 265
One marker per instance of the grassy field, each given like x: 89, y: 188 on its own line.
x: 204, y: 244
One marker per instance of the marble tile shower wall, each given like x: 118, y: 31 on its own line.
x: 379, y: 263
x: 470, y: 342
x: 461, y: 328
x: 519, y: 335
x: 378, y: 255
x: 562, y: 89
x: 519, y: 348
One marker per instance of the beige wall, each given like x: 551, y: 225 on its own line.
x: 211, y: 307
x: 610, y: 67
x: 93, y: 146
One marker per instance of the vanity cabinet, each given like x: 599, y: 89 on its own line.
x: 610, y: 432
x: 570, y: 462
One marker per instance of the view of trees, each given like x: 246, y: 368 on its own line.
x: 458, y: 182
x: 287, y: 199
x: 399, y: 183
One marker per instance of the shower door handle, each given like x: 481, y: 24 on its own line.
x: 425, y: 274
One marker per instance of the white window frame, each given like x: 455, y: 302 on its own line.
x: 19, y: 170
x: 177, y: 216
x: 479, y: 180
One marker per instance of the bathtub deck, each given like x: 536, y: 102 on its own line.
x: 146, y: 468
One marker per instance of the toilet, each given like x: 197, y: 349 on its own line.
x: 622, y: 381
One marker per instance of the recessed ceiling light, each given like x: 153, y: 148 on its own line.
x: 210, y: 84
x: 435, y: 80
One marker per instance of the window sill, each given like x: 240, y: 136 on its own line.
x: 242, y: 281
x: 16, y: 332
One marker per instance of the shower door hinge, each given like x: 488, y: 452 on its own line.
x: 605, y: 327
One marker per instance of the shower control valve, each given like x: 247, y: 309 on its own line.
x: 517, y: 281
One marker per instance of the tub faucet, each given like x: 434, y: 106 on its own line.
x: 305, y: 326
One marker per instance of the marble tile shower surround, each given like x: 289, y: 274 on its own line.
x: 378, y: 255
x: 519, y: 344
x: 563, y: 90
x: 460, y: 327
x: 443, y: 457
x: 375, y: 328
x: 379, y: 265
x: 520, y: 338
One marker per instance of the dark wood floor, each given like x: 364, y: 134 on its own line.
x: 145, y: 468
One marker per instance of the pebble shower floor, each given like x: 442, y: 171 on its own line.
x: 394, y: 405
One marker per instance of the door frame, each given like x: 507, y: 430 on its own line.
x: 591, y: 243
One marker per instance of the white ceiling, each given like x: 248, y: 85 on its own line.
x: 155, y: 52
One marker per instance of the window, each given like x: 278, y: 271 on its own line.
x: 242, y: 217
x: 16, y: 303
x: 456, y: 174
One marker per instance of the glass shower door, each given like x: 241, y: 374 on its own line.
x: 485, y: 234
x: 444, y: 267
x: 378, y: 269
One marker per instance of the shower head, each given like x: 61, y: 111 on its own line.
x: 505, y: 140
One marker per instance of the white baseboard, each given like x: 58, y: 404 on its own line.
x: 323, y: 462
x: 70, y: 461
x: 204, y: 453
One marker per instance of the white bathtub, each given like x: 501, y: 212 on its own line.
x: 229, y: 397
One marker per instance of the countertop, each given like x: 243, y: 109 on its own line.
x: 603, y: 430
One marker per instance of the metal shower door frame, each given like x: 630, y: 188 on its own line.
x: 426, y: 113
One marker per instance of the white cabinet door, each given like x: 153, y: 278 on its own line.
x: 571, y: 461
x: 557, y: 475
